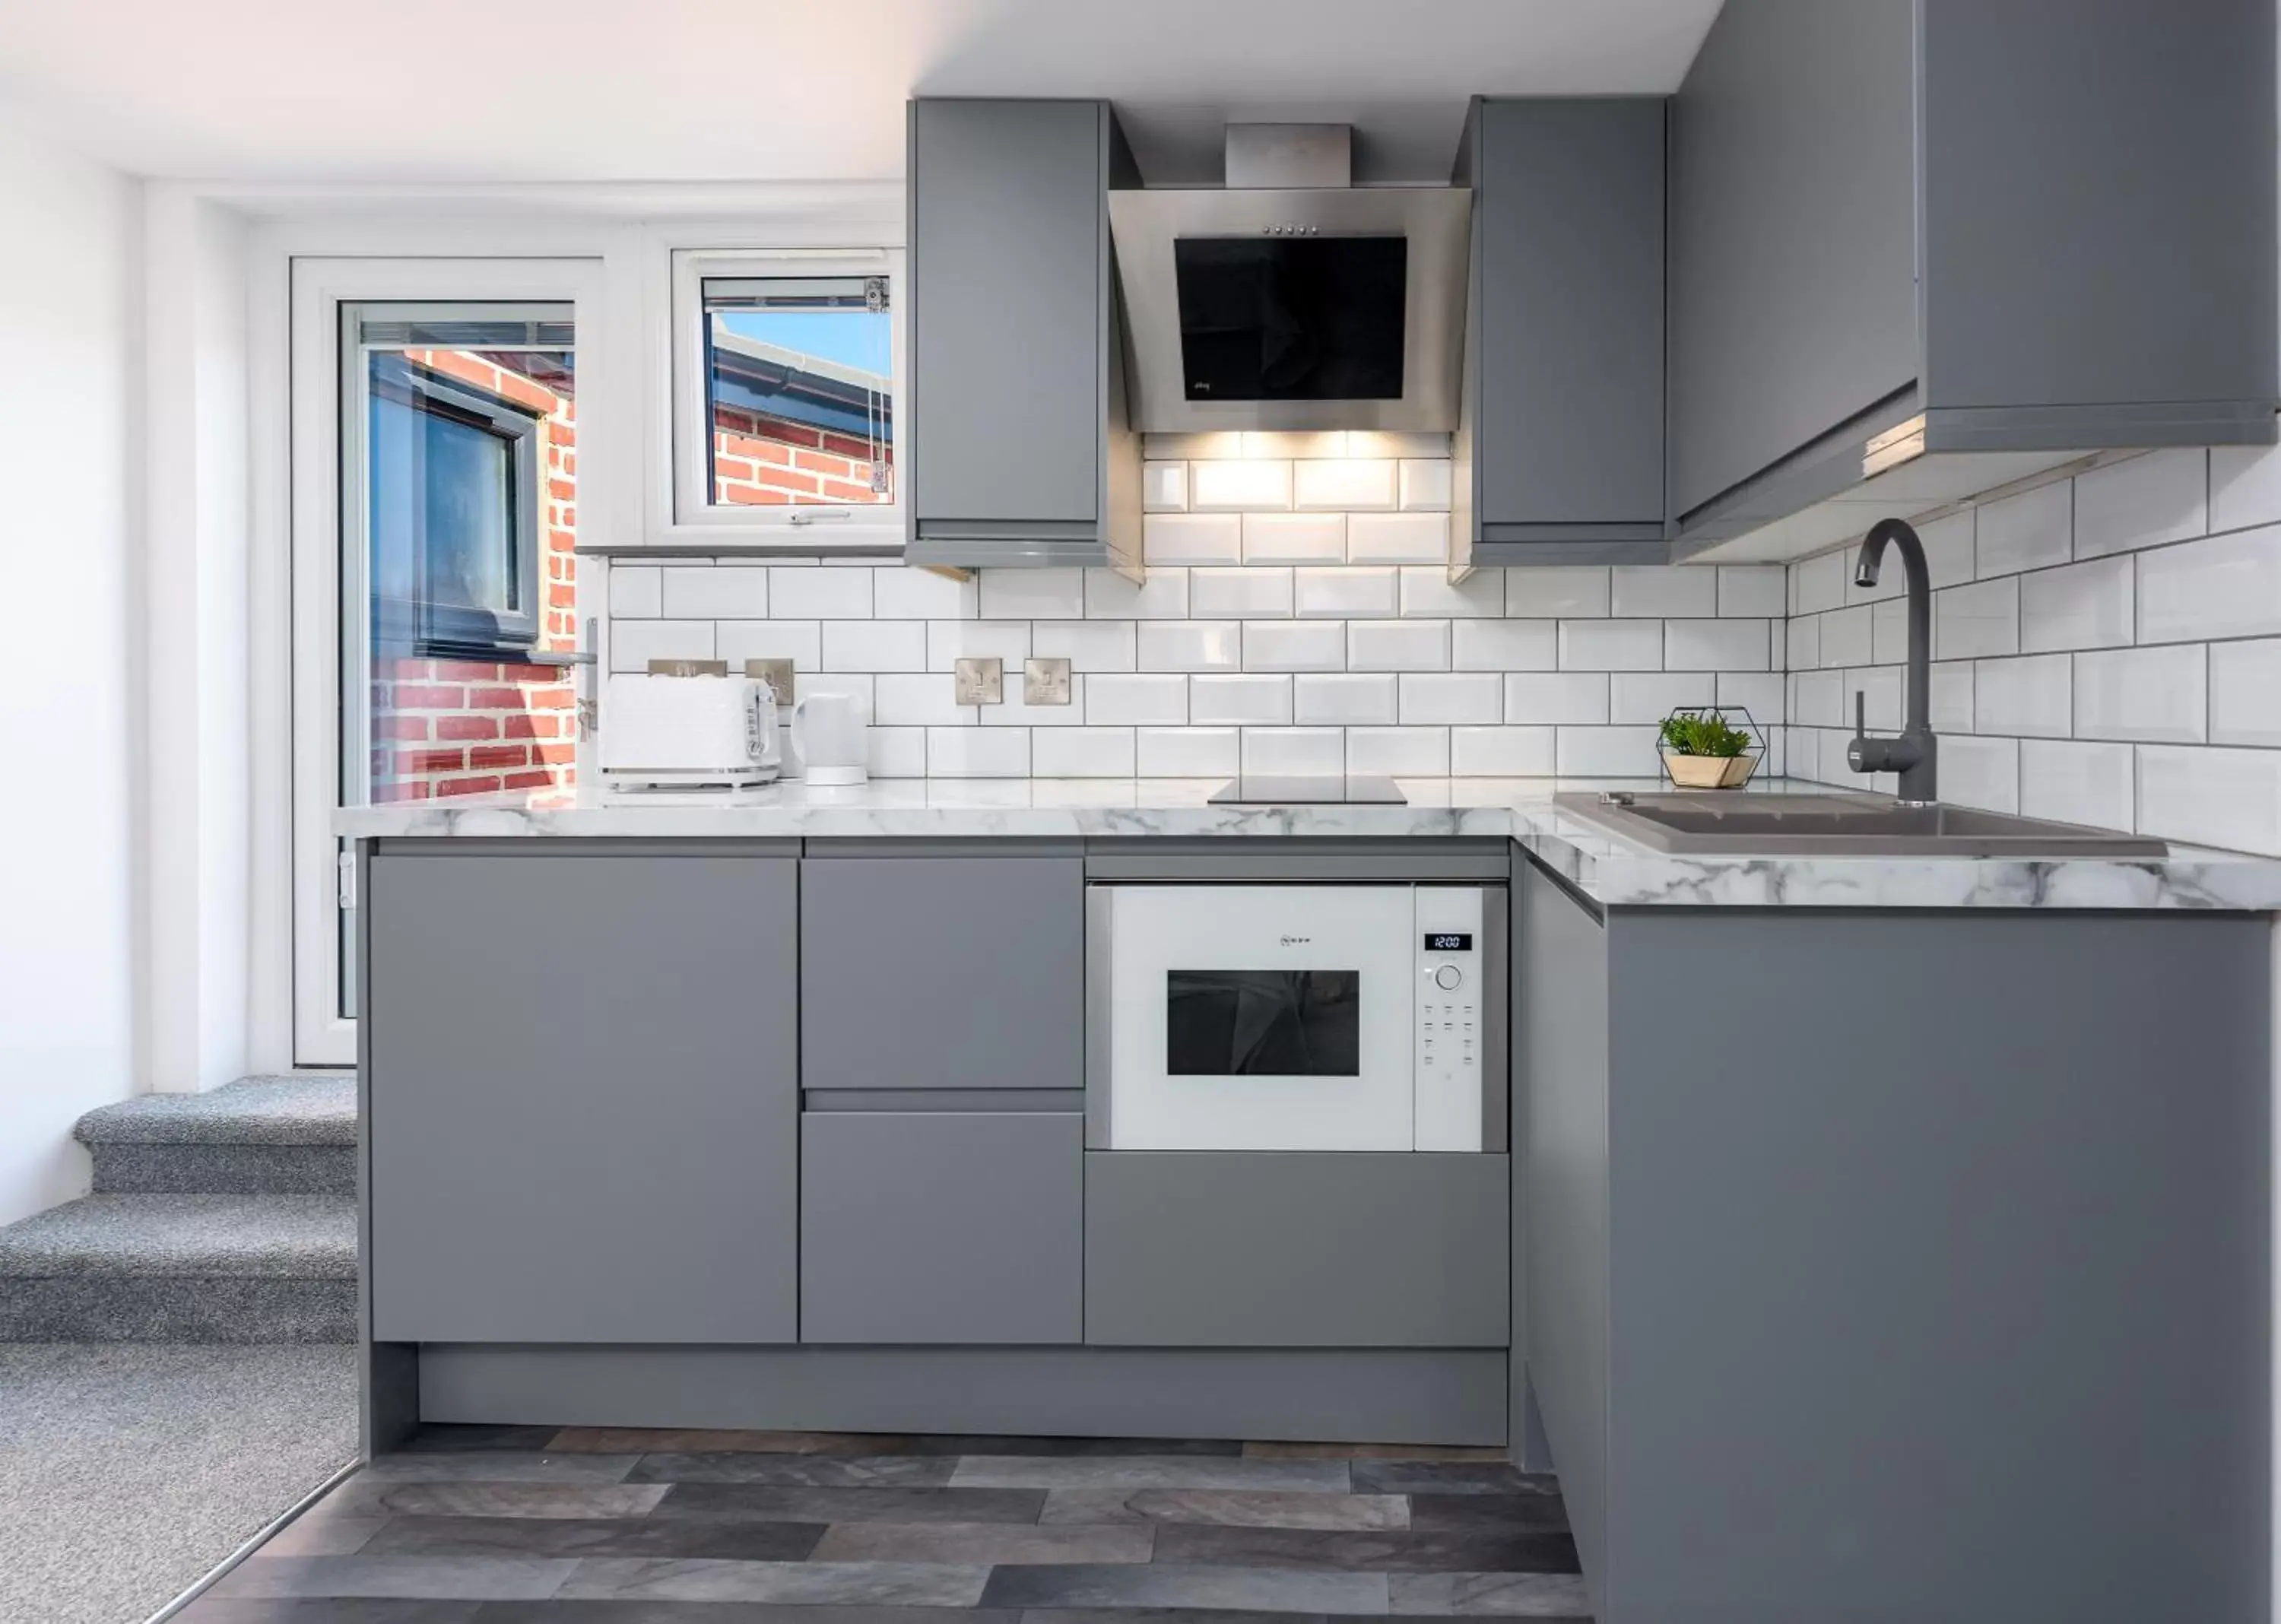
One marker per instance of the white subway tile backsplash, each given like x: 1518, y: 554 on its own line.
x: 950, y: 641
x: 804, y: 593
x: 799, y: 641
x: 1217, y: 443
x: 1752, y: 591
x: 1032, y: 594
x: 1250, y: 700
x: 1398, y: 645
x: 1343, y: 700
x: 1294, y: 751
x: 1430, y: 591
x: 2155, y: 694
x: 2029, y: 697
x: 1504, y: 644
x: 1951, y: 701
x: 1805, y: 642
x: 2077, y: 783
x: 1611, y: 645
x: 1190, y: 644
x: 909, y: 593
x: 1396, y: 443
x: 2226, y: 586
x: 918, y: 699
x: 1348, y: 484
x: 1294, y: 646
x: 1294, y: 538
x: 634, y: 643
x: 2244, y: 486
x: 2027, y: 531
x: 2211, y: 797
x: 1558, y: 592
x: 2156, y: 497
x: 1082, y: 753
x: 1971, y: 622
x: 1087, y: 644
x: 1889, y: 630
x: 1547, y: 697
x: 896, y: 752
x: 1818, y: 698
x: 1759, y: 693
x: 1501, y: 752
x: 1981, y: 772
x: 1949, y: 546
x: 1651, y: 696
x: 1346, y: 594
x: 2244, y: 692
x: 1425, y: 484
x: 1716, y: 645
x: 875, y: 646
x: 1186, y: 752
x: 1822, y: 582
x: 1237, y: 483
x: 1110, y: 596
x: 1404, y: 752
x: 1439, y: 698
x: 977, y: 752
x: 1239, y: 594
x: 1122, y: 699
x: 1847, y: 636
x: 1662, y: 590
x: 2082, y: 606
x: 708, y: 592
x: 1294, y: 443
x: 1398, y: 539
x: 1014, y: 710
x: 1880, y: 692
x: 1163, y: 487
x: 1607, y: 753
x: 637, y: 592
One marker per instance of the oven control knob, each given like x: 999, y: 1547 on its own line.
x: 1449, y: 977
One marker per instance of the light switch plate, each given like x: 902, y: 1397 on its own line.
x: 1046, y: 682
x: 979, y: 682
x: 777, y: 674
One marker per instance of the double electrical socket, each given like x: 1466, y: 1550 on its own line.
x: 983, y: 682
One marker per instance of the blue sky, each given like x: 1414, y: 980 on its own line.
x: 852, y: 338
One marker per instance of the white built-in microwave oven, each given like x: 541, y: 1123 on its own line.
x: 1295, y: 1016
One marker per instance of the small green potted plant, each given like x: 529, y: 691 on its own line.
x: 1701, y: 751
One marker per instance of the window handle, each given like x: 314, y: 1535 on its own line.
x: 819, y: 515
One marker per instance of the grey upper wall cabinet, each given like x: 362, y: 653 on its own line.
x: 583, y: 1099
x: 1951, y: 243
x: 1559, y: 445
x: 1021, y: 451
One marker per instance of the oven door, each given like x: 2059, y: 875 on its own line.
x: 1251, y: 1017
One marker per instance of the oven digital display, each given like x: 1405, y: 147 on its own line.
x: 1448, y: 942
x: 1262, y: 1023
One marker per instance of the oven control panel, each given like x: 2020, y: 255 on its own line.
x: 1450, y: 1021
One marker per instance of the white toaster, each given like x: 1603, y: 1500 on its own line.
x: 689, y: 730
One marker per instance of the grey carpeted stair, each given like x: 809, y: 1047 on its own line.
x: 258, y: 1136
x: 182, y: 1269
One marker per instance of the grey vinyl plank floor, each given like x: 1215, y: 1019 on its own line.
x: 621, y: 1526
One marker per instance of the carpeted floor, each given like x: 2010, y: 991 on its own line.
x: 127, y: 1470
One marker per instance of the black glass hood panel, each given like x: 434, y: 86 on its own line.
x: 1317, y: 318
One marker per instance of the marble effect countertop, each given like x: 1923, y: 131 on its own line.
x: 1611, y: 871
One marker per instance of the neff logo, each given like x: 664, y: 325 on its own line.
x: 1296, y: 941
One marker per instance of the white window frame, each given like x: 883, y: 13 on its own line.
x: 687, y: 517
x: 319, y: 287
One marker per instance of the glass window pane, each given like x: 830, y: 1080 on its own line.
x: 799, y: 390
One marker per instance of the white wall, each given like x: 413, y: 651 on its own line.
x: 68, y: 426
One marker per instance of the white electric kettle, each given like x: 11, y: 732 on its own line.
x: 828, y: 737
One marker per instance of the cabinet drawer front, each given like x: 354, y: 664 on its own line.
x: 1301, y: 1249
x: 924, y: 972
x: 942, y: 1227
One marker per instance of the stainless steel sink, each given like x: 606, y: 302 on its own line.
x: 1712, y: 824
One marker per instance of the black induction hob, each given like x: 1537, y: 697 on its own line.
x: 1308, y: 791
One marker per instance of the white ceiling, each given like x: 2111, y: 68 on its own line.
x: 464, y: 90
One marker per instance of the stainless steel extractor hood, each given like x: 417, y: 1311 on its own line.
x: 1289, y: 298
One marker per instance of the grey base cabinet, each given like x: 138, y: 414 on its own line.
x: 581, y: 1094
x: 1893, y: 1266
x: 942, y: 1226
x: 1295, y: 1250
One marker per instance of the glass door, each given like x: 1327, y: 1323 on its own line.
x: 438, y: 637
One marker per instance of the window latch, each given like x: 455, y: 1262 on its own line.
x: 820, y: 516
x: 874, y: 294
x: 344, y: 880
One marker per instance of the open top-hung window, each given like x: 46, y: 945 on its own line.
x: 786, y: 397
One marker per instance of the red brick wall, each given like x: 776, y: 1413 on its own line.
x: 760, y: 461
x: 458, y: 727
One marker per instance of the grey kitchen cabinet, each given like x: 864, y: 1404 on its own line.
x: 1559, y: 448
x: 1021, y: 450
x: 936, y: 971
x: 582, y: 1093
x: 1922, y: 248
x: 1296, y: 1249
x: 1861, y: 1245
x: 942, y: 1226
